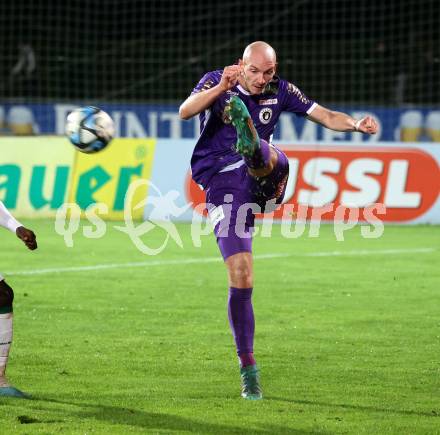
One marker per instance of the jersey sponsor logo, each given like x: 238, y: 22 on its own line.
x: 268, y: 101
x: 232, y: 92
x: 265, y: 115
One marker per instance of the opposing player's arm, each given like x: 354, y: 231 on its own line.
x: 8, y: 221
x: 341, y: 121
x: 203, y: 99
x: 27, y: 236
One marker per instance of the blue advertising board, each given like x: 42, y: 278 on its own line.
x: 162, y: 121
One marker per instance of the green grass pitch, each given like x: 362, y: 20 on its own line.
x: 348, y: 341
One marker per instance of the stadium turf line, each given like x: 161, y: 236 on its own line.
x: 201, y: 261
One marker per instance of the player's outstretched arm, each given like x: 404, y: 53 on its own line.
x: 27, y: 236
x: 342, y: 122
x: 8, y: 221
x: 200, y: 101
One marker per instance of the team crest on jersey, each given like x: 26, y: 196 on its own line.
x: 265, y: 115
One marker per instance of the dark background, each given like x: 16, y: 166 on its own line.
x: 337, y: 51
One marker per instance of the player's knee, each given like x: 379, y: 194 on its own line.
x: 6, y: 295
x: 241, y: 278
x: 240, y: 272
x: 273, y: 157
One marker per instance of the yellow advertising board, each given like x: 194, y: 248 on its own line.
x: 104, y: 177
x: 35, y: 174
x: 39, y: 174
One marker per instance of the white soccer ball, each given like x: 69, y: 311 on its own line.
x: 89, y: 129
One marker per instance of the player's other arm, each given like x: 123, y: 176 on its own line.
x: 200, y: 101
x: 8, y: 221
x: 341, y: 121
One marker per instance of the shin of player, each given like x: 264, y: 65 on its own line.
x: 6, y: 301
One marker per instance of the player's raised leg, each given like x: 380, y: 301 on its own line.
x: 6, y: 299
x: 256, y: 152
x: 266, y: 164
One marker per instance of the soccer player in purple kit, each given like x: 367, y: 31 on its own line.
x: 235, y: 163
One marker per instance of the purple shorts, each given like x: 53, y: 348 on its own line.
x: 234, y: 197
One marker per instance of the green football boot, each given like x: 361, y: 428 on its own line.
x: 250, y: 383
x: 13, y: 392
x: 247, y: 137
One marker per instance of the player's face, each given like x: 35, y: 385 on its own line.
x: 258, y: 71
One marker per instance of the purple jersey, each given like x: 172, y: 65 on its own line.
x: 215, y: 148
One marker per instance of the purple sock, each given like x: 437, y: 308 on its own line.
x: 241, y: 319
x: 247, y: 359
x: 261, y: 157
